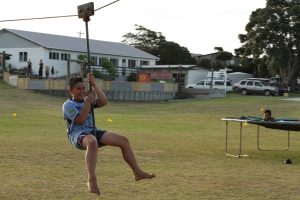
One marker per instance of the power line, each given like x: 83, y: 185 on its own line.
x: 106, y: 5
x: 53, y: 17
x: 37, y: 18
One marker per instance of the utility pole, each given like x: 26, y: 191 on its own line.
x: 80, y: 33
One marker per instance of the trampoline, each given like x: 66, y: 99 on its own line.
x: 284, y: 124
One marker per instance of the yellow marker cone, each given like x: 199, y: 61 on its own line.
x: 14, y: 114
x: 109, y: 120
x: 245, y: 124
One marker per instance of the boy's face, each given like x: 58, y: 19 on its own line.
x: 267, y: 115
x: 78, y: 91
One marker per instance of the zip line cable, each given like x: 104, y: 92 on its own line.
x: 37, y: 18
x: 76, y: 183
x: 53, y: 17
x: 106, y: 5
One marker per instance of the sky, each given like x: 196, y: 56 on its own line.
x: 199, y: 25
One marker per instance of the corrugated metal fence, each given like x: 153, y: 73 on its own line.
x: 114, y: 90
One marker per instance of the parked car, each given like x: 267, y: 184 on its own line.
x: 265, y: 80
x: 206, y: 84
x: 275, y: 80
x: 281, y: 87
x: 254, y: 87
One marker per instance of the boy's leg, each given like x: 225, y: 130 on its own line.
x: 128, y: 155
x: 90, y: 143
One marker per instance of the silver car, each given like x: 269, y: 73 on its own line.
x: 206, y: 84
x: 254, y: 87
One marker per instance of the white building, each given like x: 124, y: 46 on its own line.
x: 187, y: 73
x: 54, y: 50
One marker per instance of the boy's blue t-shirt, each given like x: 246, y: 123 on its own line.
x: 71, y: 110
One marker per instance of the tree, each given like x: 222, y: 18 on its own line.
x: 223, y: 56
x: 219, y: 49
x: 173, y: 53
x: 156, y: 44
x: 273, y: 38
x: 205, y: 62
x: 110, y: 68
x: 145, y: 39
x: 83, y: 66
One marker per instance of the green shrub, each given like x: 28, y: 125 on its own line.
x: 97, y: 74
x: 132, y: 77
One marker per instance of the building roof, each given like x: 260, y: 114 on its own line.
x: 183, y: 67
x: 59, y: 42
x: 166, y: 66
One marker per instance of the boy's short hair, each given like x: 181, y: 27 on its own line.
x: 268, y: 112
x: 74, y: 80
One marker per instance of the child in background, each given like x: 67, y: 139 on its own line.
x: 268, y: 116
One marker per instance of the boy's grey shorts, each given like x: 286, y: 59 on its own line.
x: 99, y: 134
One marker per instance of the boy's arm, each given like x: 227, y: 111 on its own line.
x: 83, y: 115
x: 102, y: 100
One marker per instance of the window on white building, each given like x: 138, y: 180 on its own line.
x: 131, y: 63
x: 64, y: 56
x: 102, y: 60
x: 93, y: 60
x: 54, y: 56
x: 144, y: 62
x: 114, y: 62
x: 22, y: 56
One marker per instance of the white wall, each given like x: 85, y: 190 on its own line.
x: 13, y: 44
x: 195, y: 75
x: 237, y: 76
x: 60, y: 66
x: 35, y: 54
x: 13, y: 80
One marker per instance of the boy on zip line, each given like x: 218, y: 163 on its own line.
x: 83, y: 134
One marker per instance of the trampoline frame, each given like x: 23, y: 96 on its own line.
x: 241, y: 121
x: 260, y: 149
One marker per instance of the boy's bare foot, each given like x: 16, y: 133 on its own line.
x: 93, y: 187
x: 143, y: 175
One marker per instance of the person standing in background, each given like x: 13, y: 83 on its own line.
x: 52, y: 71
x: 29, y: 68
x: 41, y: 69
x: 47, y: 71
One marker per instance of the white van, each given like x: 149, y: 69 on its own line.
x: 206, y: 84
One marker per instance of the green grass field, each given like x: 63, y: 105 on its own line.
x: 181, y: 142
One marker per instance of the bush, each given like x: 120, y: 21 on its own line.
x: 97, y: 74
x: 109, y: 67
x: 12, y: 70
x: 132, y: 77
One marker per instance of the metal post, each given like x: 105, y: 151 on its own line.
x: 225, y: 81
x: 68, y: 75
x: 241, y: 134
x: 179, y: 81
x: 2, y: 64
x: 212, y: 78
x: 257, y: 143
x: 288, y: 141
x: 239, y: 155
x: 261, y: 149
x: 88, y: 49
x: 226, y: 137
x: 84, y: 12
x: 68, y: 69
